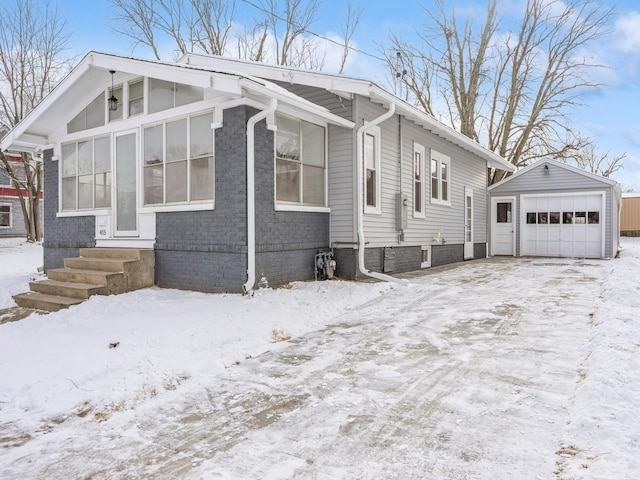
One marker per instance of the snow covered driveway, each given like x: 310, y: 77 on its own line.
x: 481, y: 371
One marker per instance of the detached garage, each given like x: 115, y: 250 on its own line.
x: 550, y: 209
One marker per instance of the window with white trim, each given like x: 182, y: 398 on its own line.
x: 164, y: 95
x: 178, y: 160
x: 86, y: 174
x: 371, y: 153
x: 300, y: 163
x: 91, y: 116
x: 440, y: 178
x: 5, y: 215
x: 418, y: 180
x: 136, y: 97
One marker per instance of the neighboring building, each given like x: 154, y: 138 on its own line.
x: 630, y: 215
x: 551, y: 209
x: 11, y: 217
x: 233, y: 171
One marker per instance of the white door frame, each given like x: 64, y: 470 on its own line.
x: 494, y: 221
x: 468, y: 223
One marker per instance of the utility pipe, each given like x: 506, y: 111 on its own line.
x: 251, y: 200
x: 360, y: 181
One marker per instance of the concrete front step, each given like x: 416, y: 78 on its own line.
x: 98, y: 271
x: 98, y: 263
x: 41, y: 301
x: 115, y: 282
x: 118, y: 253
x: 68, y: 289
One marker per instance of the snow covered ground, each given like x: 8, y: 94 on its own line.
x: 498, y: 369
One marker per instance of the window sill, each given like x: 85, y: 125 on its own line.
x: 192, y: 207
x: 83, y: 213
x: 301, y: 208
x: 372, y: 211
x: 440, y: 202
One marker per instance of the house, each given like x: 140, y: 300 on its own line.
x: 554, y: 210
x: 233, y: 172
x: 630, y: 215
x: 11, y: 216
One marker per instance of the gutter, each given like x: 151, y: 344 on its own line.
x: 251, y: 200
x: 360, y: 180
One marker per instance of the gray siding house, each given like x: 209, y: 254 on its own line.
x: 551, y: 209
x: 233, y: 172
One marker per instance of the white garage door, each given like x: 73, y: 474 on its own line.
x: 562, y: 226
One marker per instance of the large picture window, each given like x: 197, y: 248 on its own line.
x: 86, y: 174
x: 440, y: 178
x: 300, y: 163
x: 178, y: 160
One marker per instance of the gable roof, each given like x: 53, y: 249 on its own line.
x: 346, y: 87
x: 555, y: 164
x: 93, y: 74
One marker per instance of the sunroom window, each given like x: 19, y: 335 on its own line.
x: 90, y: 117
x: 164, y: 95
x: 300, y: 163
x: 178, y: 160
x: 86, y: 174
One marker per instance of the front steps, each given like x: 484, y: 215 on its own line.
x: 98, y: 271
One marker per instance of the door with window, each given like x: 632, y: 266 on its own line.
x: 468, y: 223
x: 125, y: 185
x: 502, y: 226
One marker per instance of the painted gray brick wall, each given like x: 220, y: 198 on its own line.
x: 445, y: 254
x: 207, y: 250
x: 286, y: 242
x: 479, y: 250
x: 63, y: 237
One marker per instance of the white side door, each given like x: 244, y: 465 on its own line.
x: 503, y: 226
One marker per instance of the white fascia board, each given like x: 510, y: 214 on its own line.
x: 338, y: 84
x: 171, y: 72
x: 556, y: 164
x: 427, y: 121
x: 11, y: 141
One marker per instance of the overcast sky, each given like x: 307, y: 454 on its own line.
x: 611, y: 115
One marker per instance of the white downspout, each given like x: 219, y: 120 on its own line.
x: 360, y: 203
x: 251, y: 201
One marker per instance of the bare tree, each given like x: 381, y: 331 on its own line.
x: 280, y: 32
x: 193, y: 26
x: 598, y: 162
x: 512, y: 92
x: 32, y: 44
x: 348, y: 28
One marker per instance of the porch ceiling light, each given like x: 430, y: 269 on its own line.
x: 113, y: 101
